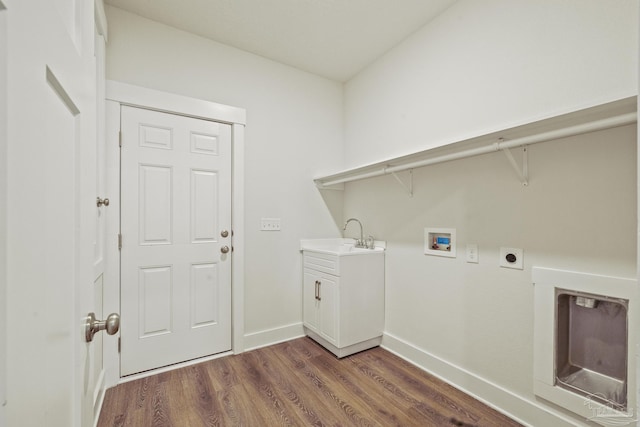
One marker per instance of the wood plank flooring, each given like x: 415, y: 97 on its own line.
x: 296, y: 383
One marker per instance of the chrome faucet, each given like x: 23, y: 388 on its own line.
x: 360, y: 243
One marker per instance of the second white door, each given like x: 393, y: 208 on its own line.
x: 176, y: 239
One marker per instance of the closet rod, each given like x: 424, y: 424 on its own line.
x: 610, y: 122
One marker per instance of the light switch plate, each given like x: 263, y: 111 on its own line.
x: 472, y: 253
x: 512, y: 258
x: 270, y: 224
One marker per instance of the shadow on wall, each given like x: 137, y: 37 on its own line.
x: 334, y: 200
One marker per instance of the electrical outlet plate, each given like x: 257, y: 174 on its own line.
x: 270, y: 224
x: 512, y: 258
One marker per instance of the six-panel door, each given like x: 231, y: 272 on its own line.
x: 176, y: 205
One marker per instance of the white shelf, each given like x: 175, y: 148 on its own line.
x: 613, y: 114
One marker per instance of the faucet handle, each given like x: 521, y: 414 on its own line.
x: 370, y: 243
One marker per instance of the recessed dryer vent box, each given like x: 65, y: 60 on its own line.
x: 440, y: 242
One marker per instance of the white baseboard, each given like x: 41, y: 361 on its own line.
x: 268, y: 337
x: 341, y: 352
x: 519, y: 408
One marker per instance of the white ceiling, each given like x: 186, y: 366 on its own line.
x: 332, y: 38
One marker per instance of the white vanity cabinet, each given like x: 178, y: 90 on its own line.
x: 343, y: 294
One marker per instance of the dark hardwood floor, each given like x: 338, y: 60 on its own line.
x: 296, y: 383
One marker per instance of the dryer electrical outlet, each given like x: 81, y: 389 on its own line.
x: 512, y: 258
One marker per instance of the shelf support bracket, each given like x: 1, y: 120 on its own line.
x: 523, y: 173
x: 409, y: 186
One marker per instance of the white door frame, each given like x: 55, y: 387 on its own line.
x: 125, y: 94
x: 3, y: 208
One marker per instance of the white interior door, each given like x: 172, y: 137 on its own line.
x: 60, y: 263
x: 50, y: 205
x: 176, y: 239
x: 96, y: 375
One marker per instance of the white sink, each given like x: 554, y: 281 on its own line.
x: 339, y: 247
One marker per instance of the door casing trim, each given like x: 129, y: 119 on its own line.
x: 118, y: 94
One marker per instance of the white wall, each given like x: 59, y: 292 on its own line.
x: 3, y: 208
x: 481, y: 67
x: 293, y: 133
x: 488, y: 65
x: 578, y: 213
x: 638, y: 246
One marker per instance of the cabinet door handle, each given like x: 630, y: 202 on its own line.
x: 317, y: 296
x: 316, y: 291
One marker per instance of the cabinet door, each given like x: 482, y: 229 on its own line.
x: 329, y: 308
x: 310, y: 307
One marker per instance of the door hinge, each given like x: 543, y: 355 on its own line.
x: 119, y: 344
x: 119, y: 241
x: 120, y: 138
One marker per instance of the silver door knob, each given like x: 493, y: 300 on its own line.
x: 102, y: 202
x: 93, y: 326
x: 224, y: 233
x: 224, y: 249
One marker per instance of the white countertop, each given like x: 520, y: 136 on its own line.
x: 340, y: 246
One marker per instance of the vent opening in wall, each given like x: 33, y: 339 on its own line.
x: 585, y: 328
x: 591, y: 346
